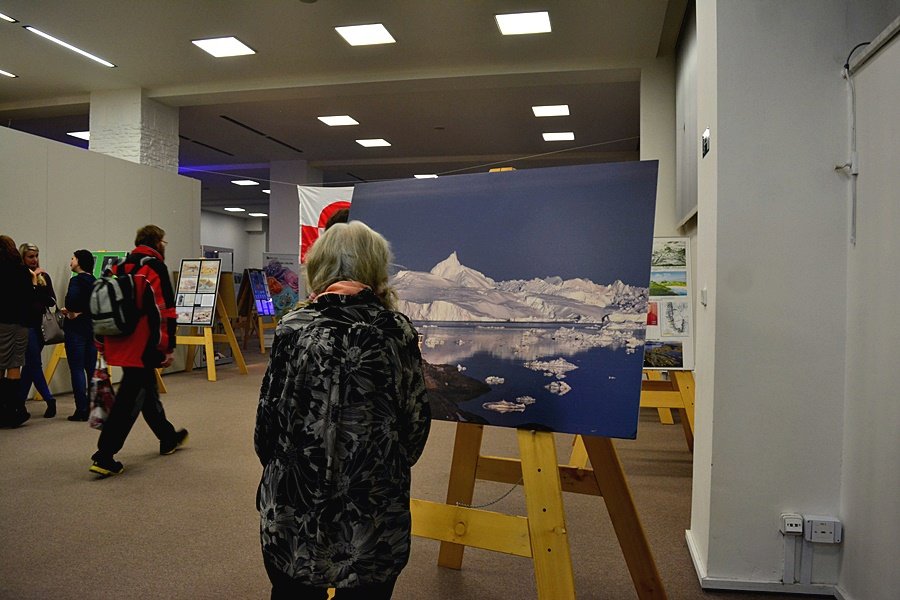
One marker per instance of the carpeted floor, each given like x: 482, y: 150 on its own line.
x: 185, y: 526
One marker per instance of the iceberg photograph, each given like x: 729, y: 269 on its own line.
x: 529, y: 290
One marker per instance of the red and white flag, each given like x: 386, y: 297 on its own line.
x: 317, y: 204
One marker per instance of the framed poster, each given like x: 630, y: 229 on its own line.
x: 282, y: 273
x: 104, y: 259
x: 195, y: 294
x: 670, y: 335
x: 529, y: 289
x: 262, y: 298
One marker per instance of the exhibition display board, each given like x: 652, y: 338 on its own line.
x: 282, y: 273
x: 523, y: 301
x: 254, y: 305
x: 196, y: 292
x: 670, y: 334
x: 106, y: 258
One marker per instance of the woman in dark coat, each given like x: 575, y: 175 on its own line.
x: 18, y: 295
x: 342, y: 418
x: 81, y: 353
x: 44, y: 298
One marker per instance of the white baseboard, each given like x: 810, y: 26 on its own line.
x: 841, y: 594
x: 716, y: 583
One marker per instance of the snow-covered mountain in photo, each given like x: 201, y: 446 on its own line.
x: 452, y: 291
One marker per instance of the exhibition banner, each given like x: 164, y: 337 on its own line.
x: 317, y: 204
x: 529, y: 289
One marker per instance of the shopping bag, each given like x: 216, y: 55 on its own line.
x: 102, y: 395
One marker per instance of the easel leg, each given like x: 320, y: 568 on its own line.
x: 232, y: 342
x: 462, y: 483
x: 262, y: 339
x: 684, y: 383
x: 665, y: 414
x: 546, y: 518
x: 624, y: 517
x: 210, y: 353
x: 579, y: 457
x: 189, y: 356
x: 159, y: 382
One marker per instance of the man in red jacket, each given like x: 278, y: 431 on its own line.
x: 147, y: 348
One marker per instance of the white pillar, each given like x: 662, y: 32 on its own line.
x: 126, y: 124
x: 284, y: 204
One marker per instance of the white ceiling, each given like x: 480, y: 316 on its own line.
x: 451, y: 95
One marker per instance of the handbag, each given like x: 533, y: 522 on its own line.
x: 101, y: 394
x: 52, y: 326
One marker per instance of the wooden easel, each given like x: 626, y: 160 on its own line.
x: 59, y: 353
x: 542, y: 534
x: 676, y: 392
x: 254, y: 323
x: 208, y: 339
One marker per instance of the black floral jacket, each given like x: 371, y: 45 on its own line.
x: 342, y: 418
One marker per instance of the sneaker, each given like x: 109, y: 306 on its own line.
x: 180, y: 439
x: 106, y: 467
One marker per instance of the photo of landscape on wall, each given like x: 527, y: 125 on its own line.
x: 668, y: 283
x: 528, y: 288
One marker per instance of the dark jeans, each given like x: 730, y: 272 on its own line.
x: 33, y: 371
x: 137, y: 394
x: 286, y: 588
x: 81, y: 355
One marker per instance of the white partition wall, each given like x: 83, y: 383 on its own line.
x: 871, y: 458
x: 63, y: 198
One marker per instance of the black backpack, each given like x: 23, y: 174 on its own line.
x: 113, y: 305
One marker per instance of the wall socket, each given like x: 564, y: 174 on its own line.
x: 791, y: 524
x: 822, y: 530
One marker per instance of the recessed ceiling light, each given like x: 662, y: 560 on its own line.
x: 338, y: 120
x: 558, y: 110
x: 7, y: 18
x: 266, y: 191
x: 245, y: 182
x: 257, y: 215
x: 7, y: 73
x: 366, y: 35
x: 428, y: 176
x: 68, y: 46
x: 234, y: 209
x: 522, y: 23
x: 561, y: 136
x: 373, y: 143
x: 224, y: 46
x: 82, y: 135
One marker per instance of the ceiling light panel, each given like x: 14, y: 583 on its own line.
x: 339, y: 120
x: 523, y: 23
x: 557, y: 110
x: 82, y: 135
x: 224, y: 46
x: 425, y: 176
x: 257, y: 215
x: 560, y: 136
x: 69, y: 46
x: 366, y: 35
x: 244, y: 182
x: 234, y: 209
x: 7, y: 73
x: 266, y: 191
x: 373, y: 143
x: 8, y: 18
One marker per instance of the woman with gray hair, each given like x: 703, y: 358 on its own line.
x: 342, y: 418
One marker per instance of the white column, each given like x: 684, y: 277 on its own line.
x: 284, y: 204
x: 126, y: 124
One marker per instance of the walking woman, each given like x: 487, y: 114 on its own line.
x: 342, y: 418
x: 33, y: 373
x: 81, y: 353
x: 18, y: 295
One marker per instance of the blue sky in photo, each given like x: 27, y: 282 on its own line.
x: 592, y: 221
x: 669, y: 276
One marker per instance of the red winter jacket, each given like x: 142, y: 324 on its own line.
x: 154, y: 336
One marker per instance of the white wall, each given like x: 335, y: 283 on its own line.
x: 231, y: 232
x: 772, y: 245
x: 64, y: 198
x: 871, y: 444
x: 658, y: 136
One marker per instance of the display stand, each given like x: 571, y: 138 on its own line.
x: 59, y: 353
x: 208, y: 339
x: 542, y: 534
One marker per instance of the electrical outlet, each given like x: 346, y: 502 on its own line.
x: 791, y: 524
x: 822, y: 530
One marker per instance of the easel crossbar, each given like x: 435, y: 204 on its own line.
x: 509, y: 470
x: 471, y: 527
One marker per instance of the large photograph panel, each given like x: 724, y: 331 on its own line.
x: 529, y: 289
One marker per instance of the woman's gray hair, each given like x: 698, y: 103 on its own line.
x: 351, y: 252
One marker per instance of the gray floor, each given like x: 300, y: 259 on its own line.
x: 185, y: 526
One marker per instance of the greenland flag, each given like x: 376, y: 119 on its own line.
x: 317, y: 204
